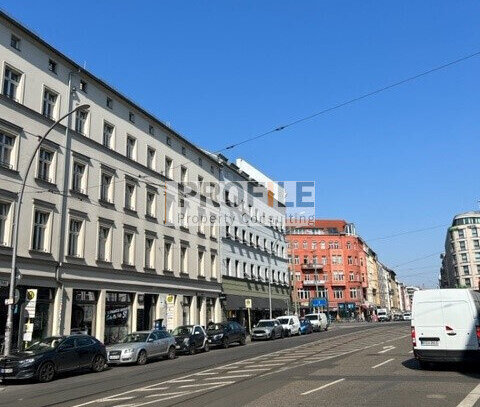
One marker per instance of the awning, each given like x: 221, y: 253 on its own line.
x: 234, y: 302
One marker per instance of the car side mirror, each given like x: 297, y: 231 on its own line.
x: 150, y: 340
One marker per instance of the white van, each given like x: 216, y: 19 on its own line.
x: 446, y: 325
x: 319, y: 321
x: 290, y: 324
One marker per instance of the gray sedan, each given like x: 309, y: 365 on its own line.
x: 267, y: 329
x: 137, y: 347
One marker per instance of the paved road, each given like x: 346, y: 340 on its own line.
x: 358, y: 364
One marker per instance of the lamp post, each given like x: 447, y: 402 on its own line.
x: 11, y: 301
x: 270, y: 277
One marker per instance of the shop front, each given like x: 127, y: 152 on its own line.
x: 84, y: 312
x: 118, y: 316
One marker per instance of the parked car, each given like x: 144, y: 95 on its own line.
x: 138, y: 347
x: 319, y: 321
x: 190, y: 338
x: 47, y: 357
x: 267, y: 329
x: 446, y: 325
x: 225, y: 333
x: 290, y: 324
x: 306, y: 326
x: 383, y: 315
x: 407, y: 316
x: 397, y: 316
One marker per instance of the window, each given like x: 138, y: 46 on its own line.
x: 314, y: 245
x: 463, y: 245
x: 474, y: 232
x: 130, y: 196
x: 52, y: 66
x: 183, y: 259
x: 128, y: 248
x: 11, y: 83
x: 466, y: 270
x: 468, y: 282
x: 167, y: 256
x: 151, y: 130
x: 338, y: 276
x: 476, y: 244
x: 349, y: 245
x: 109, y: 103
x: 168, y: 167
x: 352, y: 276
x: 151, y: 207
x: 464, y: 257
x: 461, y: 234
x: 6, y: 150
x: 183, y: 213
x: 212, y: 169
x: 49, y: 104
x: 337, y: 293
x: 83, y: 86
x: 322, y: 245
x: 183, y: 175
x: 79, y: 177
x: 104, y: 243
x: 108, y: 131
x: 304, y: 244
x: 151, y: 158
x: 201, y: 261
x: 350, y: 260
x: 149, y: 252
x: 5, y: 223
x: 213, y: 265
x: 184, y: 151
x: 74, y: 238
x: 15, y: 42
x: 169, y: 141
x: 200, y: 161
x: 40, y: 230
x: 106, y: 187
x: 45, y: 165
x: 131, y: 148
x: 81, y: 117
x: 131, y: 117
x: 353, y: 293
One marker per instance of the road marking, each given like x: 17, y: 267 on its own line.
x: 323, y: 387
x: 387, y: 348
x: 154, y: 389
x: 205, y: 384
x: 248, y: 370
x: 229, y: 376
x: 206, y: 373
x: 411, y: 351
x: 383, y: 363
x: 181, y: 380
x: 471, y: 398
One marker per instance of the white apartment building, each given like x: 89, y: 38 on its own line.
x: 461, y: 261
x: 253, y: 249
x: 98, y: 236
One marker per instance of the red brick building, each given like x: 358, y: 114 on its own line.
x: 327, y: 254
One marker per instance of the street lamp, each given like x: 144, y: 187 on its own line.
x: 11, y: 301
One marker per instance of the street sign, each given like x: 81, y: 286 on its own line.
x: 31, y: 303
x: 319, y: 302
x: 248, y: 303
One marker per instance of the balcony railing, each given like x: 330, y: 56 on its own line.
x: 313, y: 282
x: 312, y: 266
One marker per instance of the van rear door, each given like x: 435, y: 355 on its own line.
x: 429, y: 327
x: 460, y: 325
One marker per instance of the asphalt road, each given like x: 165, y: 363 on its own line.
x: 350, y: 365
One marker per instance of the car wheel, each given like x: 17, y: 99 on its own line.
x: 191, y: 350
x: 98, y: 363
x: 225, y: 343
x: 282, y: 335
x: 243, y: 340
x: 46, y: 373
x: 142, y: 358
x: 206, y: 347
x: 171, y: 353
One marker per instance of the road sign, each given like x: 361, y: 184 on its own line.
x: 319, y: 302
x: 248, y: 303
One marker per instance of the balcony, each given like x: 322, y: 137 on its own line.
x: 312, y: 266
x: 310, y: 283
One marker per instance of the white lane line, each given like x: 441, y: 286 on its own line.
x: 206, y: 384
x: 235, y: 376
x: 206, y: 373
x: 181, y: 380
x: 411, y: 351
x: 383, y: 363
x: 173, y: 393
x: 471, y: 398
x: 323, y: 387
x: 386, y: 349
x: 154, y: 389
x: 248, y: 370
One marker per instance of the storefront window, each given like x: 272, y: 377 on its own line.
x: 118, y: 312
x: 186, y: 310
x: 84, y: 310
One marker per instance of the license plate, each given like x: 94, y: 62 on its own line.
x: 6, y: 370
x: 177, y: 346
x: 430, y: 343
x: 114, y: 357
x: 209, y: 341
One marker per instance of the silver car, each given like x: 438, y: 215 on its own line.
x: 137, y: 347
x: 267, y: 329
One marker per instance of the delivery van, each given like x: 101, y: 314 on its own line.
x: 446, y: 325
x: 319, y: 321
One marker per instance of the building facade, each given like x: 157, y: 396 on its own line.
x: 328, y: 261
x: 461, y: 260
x: 253, y: 250
x: 101, y: 239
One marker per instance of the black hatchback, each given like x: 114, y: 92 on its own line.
x: 44, y: 359
x: 226, y: 333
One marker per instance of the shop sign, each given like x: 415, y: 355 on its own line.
x: 31, y: 302
x: 170, y: 299
x: 116, y: 315
x: 248, y: 303
x: 27, y: 332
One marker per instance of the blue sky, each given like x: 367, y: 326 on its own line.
x: 222, y: 71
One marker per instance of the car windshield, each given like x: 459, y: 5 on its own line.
x: 265, y: 323
x: 284, y: 321
x: 215, y: 327
x: 135, y: 337
x: 311, y: 317
x: 45, y: 344
x: 182, y: 330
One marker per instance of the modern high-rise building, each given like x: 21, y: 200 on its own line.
x: 461, y: 260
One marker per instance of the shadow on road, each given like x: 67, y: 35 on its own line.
x: 466, y: 369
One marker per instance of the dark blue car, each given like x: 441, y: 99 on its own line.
x: 306, y: 327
